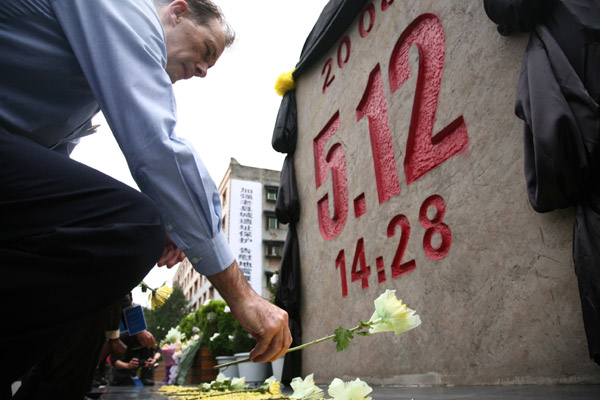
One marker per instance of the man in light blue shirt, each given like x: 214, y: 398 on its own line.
x: 69, y: 232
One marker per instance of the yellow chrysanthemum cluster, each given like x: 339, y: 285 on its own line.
x: 159, y: 296
x: 275, y: 388
x: 284, y: 83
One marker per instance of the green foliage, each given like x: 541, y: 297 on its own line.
x: 206, y: 318
x: 226, y: 324
x: 222, y: 345
x: 168, y: 316
x: 187, y: 324
x: 342, y: 338
x: 209, y: 316
x: 212, y: 318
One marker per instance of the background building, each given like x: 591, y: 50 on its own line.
x: 248, y: 197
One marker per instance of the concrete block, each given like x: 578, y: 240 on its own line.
x: 494, y: 282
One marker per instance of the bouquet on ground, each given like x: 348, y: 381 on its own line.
x: 234, y: 389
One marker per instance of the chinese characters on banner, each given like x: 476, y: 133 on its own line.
x: 245, y: 235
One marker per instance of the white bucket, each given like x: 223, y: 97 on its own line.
x: 255, y: 373
x: 230, y: 371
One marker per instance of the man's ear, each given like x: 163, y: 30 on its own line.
x: 177, y: 10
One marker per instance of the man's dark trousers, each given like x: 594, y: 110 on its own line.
x: 72, y: 242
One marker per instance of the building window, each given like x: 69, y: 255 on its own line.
x: 273, y: 250
x: 272, y: 222
x: 271, y: 193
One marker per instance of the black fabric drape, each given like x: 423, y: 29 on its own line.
x: 288, y: 298
x: 557, y: 97
x: 287, y: 295
x: 286, y: 125
x: 287, y: 208
x: 586, y: 256
x: 331, y: 24
x: 514, y: 15
x: 561, y: 129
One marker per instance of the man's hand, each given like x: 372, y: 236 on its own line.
x: 267, y: 323
x: 145, y: 339
x: 172, y: 255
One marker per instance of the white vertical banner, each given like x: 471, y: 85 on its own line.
x: 245, y: 224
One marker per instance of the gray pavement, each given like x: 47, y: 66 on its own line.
x: 556, y: 392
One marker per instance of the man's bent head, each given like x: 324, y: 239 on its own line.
x: 196, y: 34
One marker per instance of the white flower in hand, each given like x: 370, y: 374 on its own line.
x: 353, y: 390
x: 306, y: 389
x: 391, y: 315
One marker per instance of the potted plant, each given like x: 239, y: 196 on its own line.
x: 221, y: 343
x: 205, y: 322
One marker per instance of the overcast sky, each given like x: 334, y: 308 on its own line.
x: 231, y: 112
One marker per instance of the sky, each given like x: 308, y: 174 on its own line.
x: 232, y: 111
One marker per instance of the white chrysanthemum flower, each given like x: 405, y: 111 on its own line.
x: 221, y: 378
x: 238, y: 383
x: 353, y: 390
x: 391, y: 315
x: 305, y: 389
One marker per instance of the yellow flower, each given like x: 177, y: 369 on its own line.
x: 353, y: 390
x: 285, y: 82
x: 159, y: 296
x: 275, y: 388
x: 391, y: 315
x: 305, y: 389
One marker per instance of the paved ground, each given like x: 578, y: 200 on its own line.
x: 559, y: 392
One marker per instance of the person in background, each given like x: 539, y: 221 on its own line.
x: 136, y: 357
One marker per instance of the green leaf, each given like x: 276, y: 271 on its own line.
x: 342, y: 338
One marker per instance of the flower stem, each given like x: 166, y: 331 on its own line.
x: 302, y: 346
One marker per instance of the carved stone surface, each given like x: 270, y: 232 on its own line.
x: 498, y: 300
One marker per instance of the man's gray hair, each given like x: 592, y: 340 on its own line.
x: 201, y: 12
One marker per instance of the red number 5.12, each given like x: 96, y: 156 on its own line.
x: 424, y: 150
x: 334, y: 160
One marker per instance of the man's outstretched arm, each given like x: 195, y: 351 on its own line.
x: 267, y: 323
